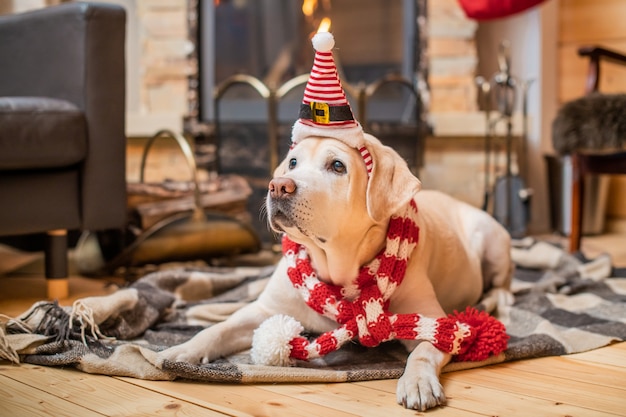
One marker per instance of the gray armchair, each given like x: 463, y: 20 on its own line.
x: 62, y: 126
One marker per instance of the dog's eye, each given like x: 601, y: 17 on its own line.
x: 338, y: 167
x: 292, y: 163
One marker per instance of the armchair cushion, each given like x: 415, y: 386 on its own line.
x: 40, y: 133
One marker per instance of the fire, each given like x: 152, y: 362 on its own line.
x: 324, y: 25
x: 308, y: 7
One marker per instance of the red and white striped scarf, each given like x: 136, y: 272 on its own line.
x: 362, y: 310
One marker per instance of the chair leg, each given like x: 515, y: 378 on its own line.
x: 578, y: 190
x: 56, y: 265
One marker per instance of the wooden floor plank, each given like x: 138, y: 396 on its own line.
x: 378, y: 397
x: 467, y: 398
x: 496, y: 402
x: 352, y: 398
x: 239, y: 400
x: 100, y: 393
x: 575, y: 370
x: 612, y: 355
x: 19, y: 399
x: 547, y: 387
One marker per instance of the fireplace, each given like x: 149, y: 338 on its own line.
x: 253, y: 60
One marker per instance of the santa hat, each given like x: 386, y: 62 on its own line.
x: 325, y: 111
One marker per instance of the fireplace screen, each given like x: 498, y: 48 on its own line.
x: 270, y: 40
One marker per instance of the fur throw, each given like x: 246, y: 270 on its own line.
x: 593, y: 122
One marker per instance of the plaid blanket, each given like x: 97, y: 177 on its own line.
x: 563, y: 304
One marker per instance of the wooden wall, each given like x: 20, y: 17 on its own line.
x: 452, y: 58
x: 590, y: 22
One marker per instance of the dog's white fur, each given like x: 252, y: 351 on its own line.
x: 322, y: 198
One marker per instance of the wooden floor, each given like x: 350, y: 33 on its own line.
x: 587, y: 384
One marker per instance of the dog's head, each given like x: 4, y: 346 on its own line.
x: 321, y: 194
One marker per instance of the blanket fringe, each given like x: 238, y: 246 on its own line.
x: 83, y: 314
x: 50, y: 319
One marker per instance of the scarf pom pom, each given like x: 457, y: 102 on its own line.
x: 271, y: 341
x: 488, y: 335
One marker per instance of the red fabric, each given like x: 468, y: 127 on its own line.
x: 488, y: 335
x: 298, y: 348
x: 494, y: 9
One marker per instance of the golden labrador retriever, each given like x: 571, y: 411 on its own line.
x: 322, y: 198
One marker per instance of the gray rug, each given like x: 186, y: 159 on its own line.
x: 563, y: 304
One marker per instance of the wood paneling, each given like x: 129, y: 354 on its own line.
x: 590, y: 22
x: 573, y: 71
x: 452, y: 59
x: 585, y: 21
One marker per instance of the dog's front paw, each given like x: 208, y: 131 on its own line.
x: 183, y: 353
x: 420, y: 391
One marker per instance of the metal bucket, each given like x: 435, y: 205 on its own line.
x: 559, y: 170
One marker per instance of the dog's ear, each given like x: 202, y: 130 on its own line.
x: 391, y: 184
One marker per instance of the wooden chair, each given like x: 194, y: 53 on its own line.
x: 599, y: 159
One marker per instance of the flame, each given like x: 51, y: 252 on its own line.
x: 324, y: 25
x: 308, y: 7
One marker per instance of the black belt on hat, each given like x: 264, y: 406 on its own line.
x: 324, y: 114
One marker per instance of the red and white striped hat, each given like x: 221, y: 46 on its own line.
x: 325, y: 111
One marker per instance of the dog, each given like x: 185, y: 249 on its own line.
x: 322, y: 197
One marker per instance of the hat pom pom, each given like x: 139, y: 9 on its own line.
x: 323, y: 41
x: 270, y: 342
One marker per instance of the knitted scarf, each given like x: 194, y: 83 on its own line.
x: 362, y: 309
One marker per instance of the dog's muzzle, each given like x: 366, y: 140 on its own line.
x: 280, y: 196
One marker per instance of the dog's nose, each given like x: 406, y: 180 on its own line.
x: 282, y: 187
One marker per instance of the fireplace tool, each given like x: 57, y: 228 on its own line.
x: 510, y: 195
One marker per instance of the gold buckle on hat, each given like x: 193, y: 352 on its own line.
x: 320, y: 112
